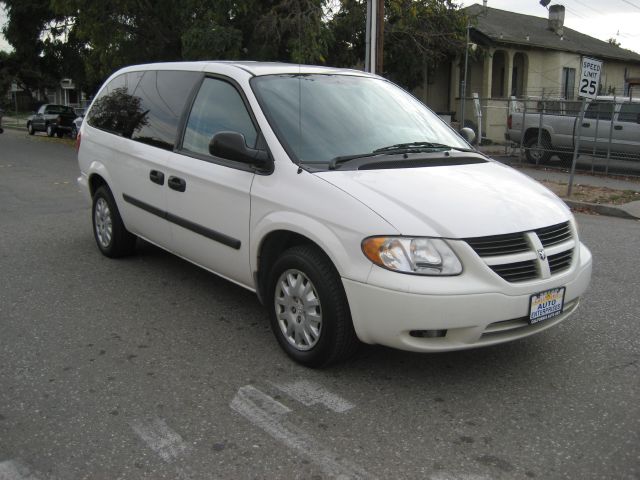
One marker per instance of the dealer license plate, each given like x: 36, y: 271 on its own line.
x: 545, y: 305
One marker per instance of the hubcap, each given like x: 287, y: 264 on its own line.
x: 536, y: 151
x: 298, y: 310
x: 103, y: 223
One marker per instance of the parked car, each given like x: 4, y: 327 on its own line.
x: 605, y: 119
x: 1, y: 114
x: 52, y: 119
x: 349, y: 207
x: 77, y: 123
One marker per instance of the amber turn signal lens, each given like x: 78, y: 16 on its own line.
x: 371, y: 248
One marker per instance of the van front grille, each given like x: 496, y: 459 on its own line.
x: 517, y: 272
x: 499, y: 244
x: 517, y: 257
x: 560, y: 261
x: 554, y: 234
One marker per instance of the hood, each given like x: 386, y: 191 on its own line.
x: 457, y: 201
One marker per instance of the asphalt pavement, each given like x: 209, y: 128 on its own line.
x: 149, y: 367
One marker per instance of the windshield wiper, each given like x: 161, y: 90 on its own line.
x: 408, y: 147
x: 333, y: 163
x: 395, y: 149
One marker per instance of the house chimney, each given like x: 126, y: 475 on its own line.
x: 556, y: 19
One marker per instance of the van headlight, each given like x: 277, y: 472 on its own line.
x: 419, y: 256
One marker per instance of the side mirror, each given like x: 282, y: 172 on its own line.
x: 232, y: 146
x: 468, y: 134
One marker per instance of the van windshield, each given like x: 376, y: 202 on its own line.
x: 321, y: 117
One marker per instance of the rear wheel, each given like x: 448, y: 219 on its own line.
x: 309, y: 312
x: 112, y: 238
x: 537, y: 152
x: 566, y: 159
x: 59, y: 134
x: 50, y: 130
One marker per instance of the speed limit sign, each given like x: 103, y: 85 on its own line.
x: 590, y: 78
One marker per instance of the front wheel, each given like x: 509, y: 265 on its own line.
x: 309, y: 311
x: 59, y: 134
x: 30, y: 129
x: 537, y: 152
x: 112, y: 238
x: 51, y: 130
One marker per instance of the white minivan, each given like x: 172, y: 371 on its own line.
x: 349, y: 207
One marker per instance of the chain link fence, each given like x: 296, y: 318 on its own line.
x: 608, y: 133
x: 543, y: 131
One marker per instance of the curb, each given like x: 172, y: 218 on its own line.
x: 607, y: 210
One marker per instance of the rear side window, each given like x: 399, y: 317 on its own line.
x: 115, y: 110
x: 599, y: 110
x: 218, y: 107
x: 629, y: 112
x: 144, y: 106
x: 162, y: 96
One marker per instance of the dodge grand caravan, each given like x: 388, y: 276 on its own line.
x: 350, y: 208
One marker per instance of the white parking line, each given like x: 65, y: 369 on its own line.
x: 12, y: 470
x: 160, y: 438
x: 268, y: 414
x: 464, y: 476
x: 309, y: 393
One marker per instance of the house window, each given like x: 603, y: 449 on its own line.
x: 568, y: 83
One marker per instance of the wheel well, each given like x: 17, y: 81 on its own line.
x: 533, y: 133
x: 270, y: 249
x: 95, y: 182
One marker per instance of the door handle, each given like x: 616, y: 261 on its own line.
x: 156, y: 177
x: 618, y: 127
x: 587, y: 125
x: 177, y: 184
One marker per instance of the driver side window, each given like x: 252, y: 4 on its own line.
x: 218, y: 107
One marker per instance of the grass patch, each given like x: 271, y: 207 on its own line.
x: 588, y: 193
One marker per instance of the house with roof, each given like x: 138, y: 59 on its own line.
x: 515, y: 55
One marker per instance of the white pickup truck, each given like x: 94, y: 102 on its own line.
x: 559, y: 129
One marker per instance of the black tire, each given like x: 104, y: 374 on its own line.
x: 111, y: 236
x: 51, y: 130
x: 30, y: 129
x: 566, y: 159
x: 537, y: 153
x: 337, y: 339
x: 59, y: 134
x: 74, y: 133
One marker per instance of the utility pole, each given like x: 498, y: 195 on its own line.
x: 374, y: 36
x: 463, y: 92
x: 380, y: 38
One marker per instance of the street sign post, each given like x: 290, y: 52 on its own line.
x: 587, y: 88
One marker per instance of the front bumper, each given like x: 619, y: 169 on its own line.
x: 477, y: 317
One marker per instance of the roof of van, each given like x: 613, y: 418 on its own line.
x: 254, y: 68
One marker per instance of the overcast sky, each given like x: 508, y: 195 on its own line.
x: 602, y: 19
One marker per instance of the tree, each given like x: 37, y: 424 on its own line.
x: 27, y: 65
x: 614, y: 41
x: 417, y: 34
x: 88, y: 40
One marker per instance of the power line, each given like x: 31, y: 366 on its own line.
x: 632, y: 4
x: 589, y: 7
